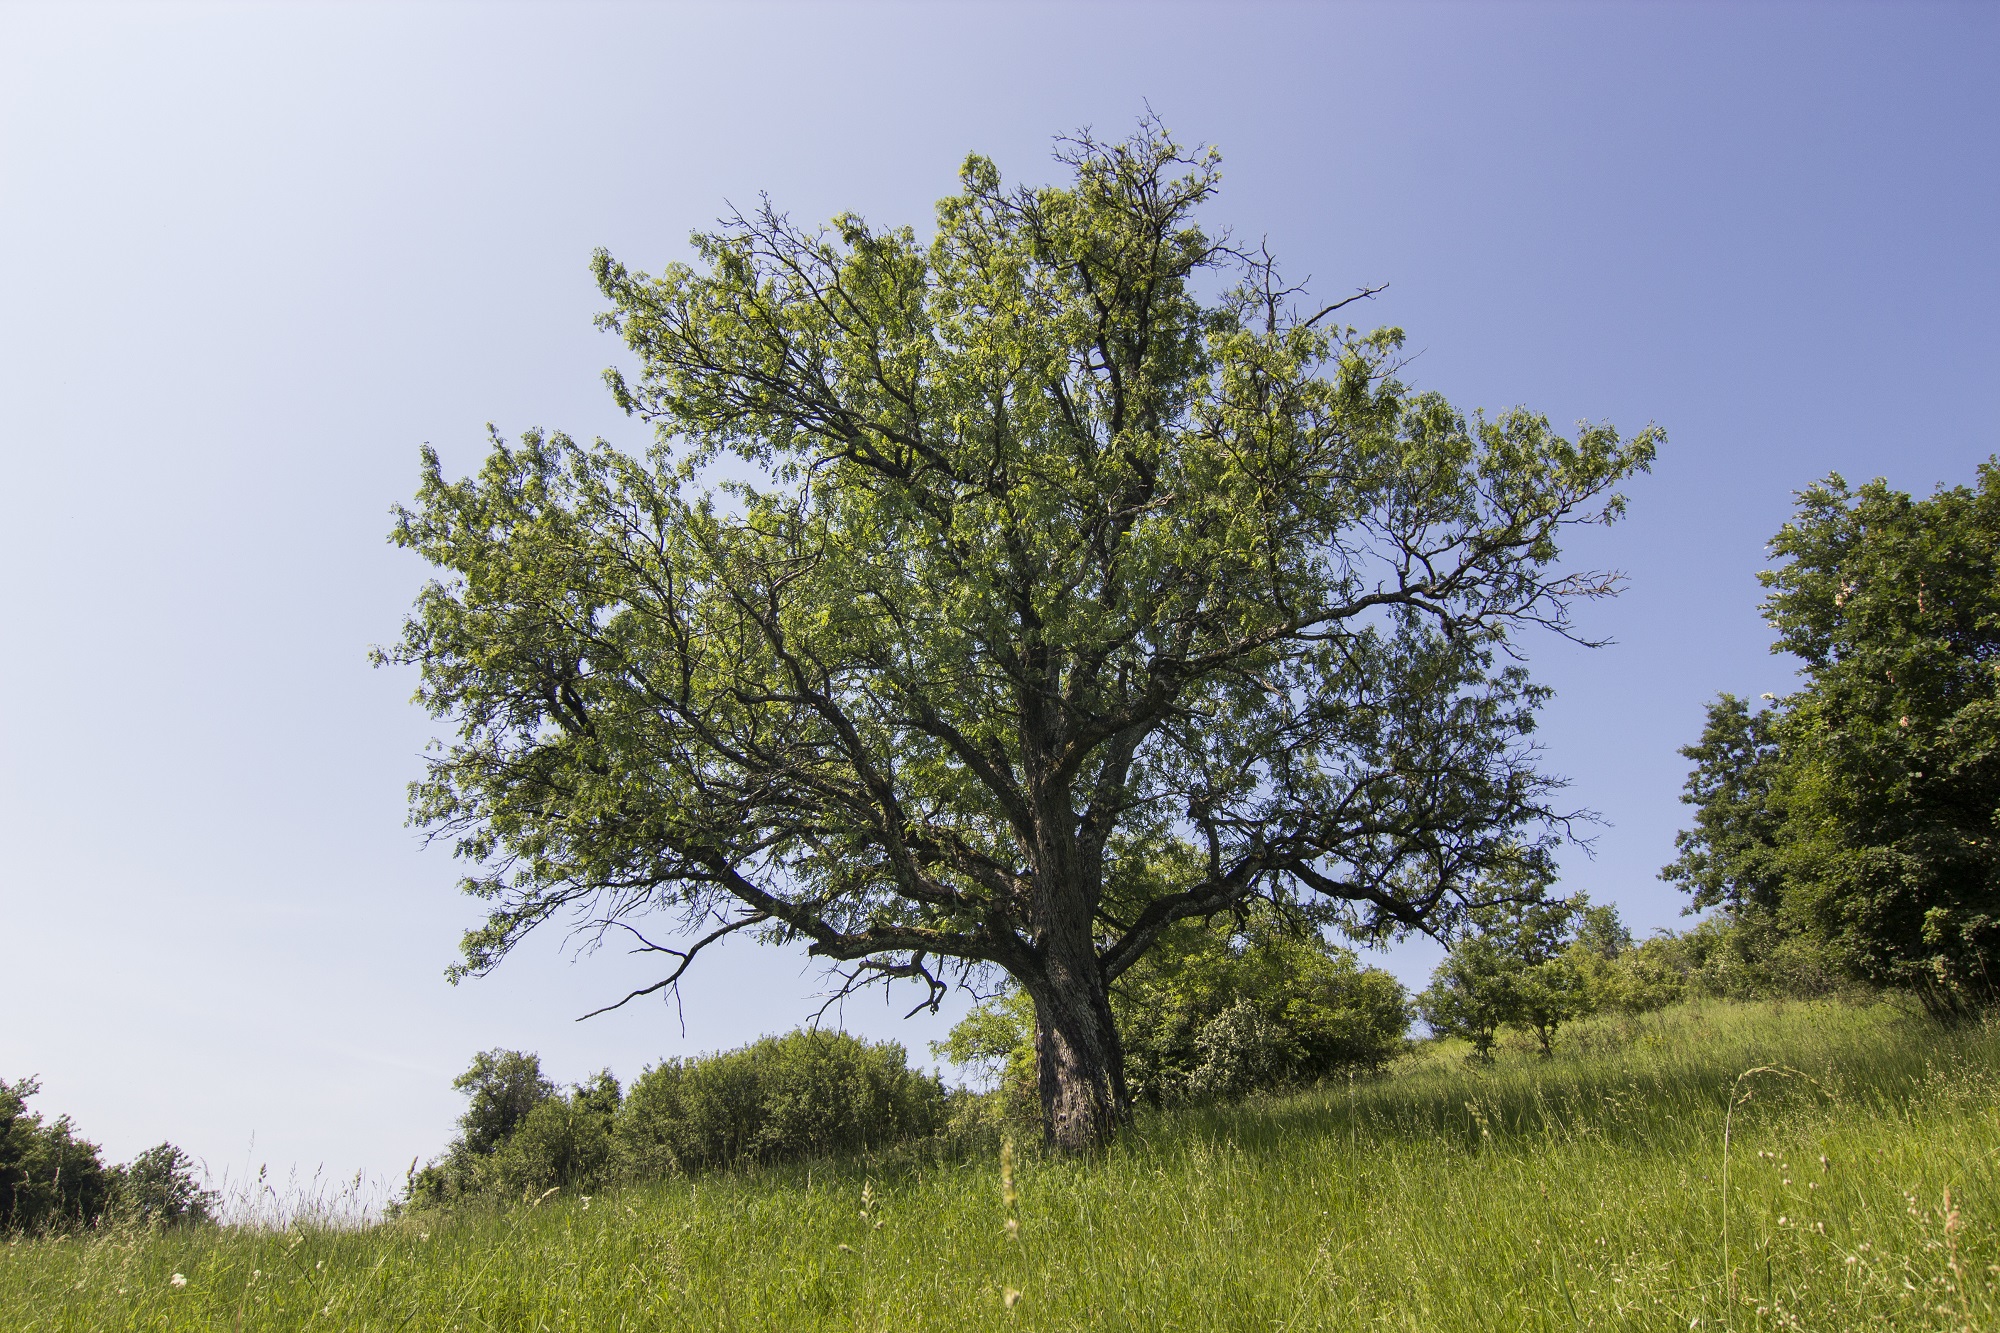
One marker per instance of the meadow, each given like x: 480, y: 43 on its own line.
x: 1590, y: 1190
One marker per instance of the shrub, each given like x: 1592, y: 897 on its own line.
x: 503, y: 1089
x: 1218, y: 1013
x: 563, y: 1141
x: 1469, y: 996
x: 1214, y: 1012
x: 783, y: 1097
x: 1747, y: 957
x: 158, y: 1187
x: 50, y: 1179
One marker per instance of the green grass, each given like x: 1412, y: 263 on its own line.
x: 1580, y: 1192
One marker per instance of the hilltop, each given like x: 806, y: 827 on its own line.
x: 1582, y: 1190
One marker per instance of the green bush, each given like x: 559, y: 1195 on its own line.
x: 1533, y: 965
x: 50, y: 1179
x: 1536, y: 966
x: 158, y: 1188
x: 804, y: 1093
x: 782, y: 1097
x: 1213, y: 1013
x: 1470, y: 995
x: 503, y: 1087
x: 1746, y: 957
x: 563, y: 1140
x: 503, y: 1090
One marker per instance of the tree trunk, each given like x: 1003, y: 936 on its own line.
x: 1080, y: 1064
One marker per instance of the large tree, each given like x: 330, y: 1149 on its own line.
x: 993, y: 602
x: 1860, y: 811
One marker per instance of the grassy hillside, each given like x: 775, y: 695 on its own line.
x: 1585, y: 1191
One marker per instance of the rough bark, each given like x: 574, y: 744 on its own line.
x: 1078, y: 1059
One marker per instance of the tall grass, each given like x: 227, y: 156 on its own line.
x: 1583, y: 1191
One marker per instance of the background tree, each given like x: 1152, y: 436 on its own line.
x: 161, y: 1187
x: 1730, y: 859
x: 1538, y: 941
x: 501, y: 1089
x: 1525, y: 966
x: 1059, y: 592
x: 1862, y: 808
x: 1470, y: 994
x: 1218, y: 1010
x: 50, y: 1177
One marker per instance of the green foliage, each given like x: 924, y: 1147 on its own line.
x: 1217, y: 1013
x: 1530, y: 1195
x: 996, y: 1040
x: 1530, y: 965
x: 1731, y: 859
x: 1750, y: 958
x: 564, y: 1140
x: 1537, y: 966
x: 1470, y: 995
x: 502, y: 1088
x: 50, y: 1179
x: 1054, y: 540
x: 808, y: 1093
x: 160, y: 1187
x: 1213, y: 1013
x: 1859, y: 812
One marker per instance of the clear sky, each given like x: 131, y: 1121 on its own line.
x: 251, y: 257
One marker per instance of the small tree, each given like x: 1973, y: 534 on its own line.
x: 1470, y: 995
x: 564, y: 1140
x: 1522, y: 968
x: 502, y: 1088
x: 1537, y: 939
x: 160, y: 1187
x: 1071, y: 580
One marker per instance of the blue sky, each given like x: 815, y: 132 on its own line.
x: 251, y: 257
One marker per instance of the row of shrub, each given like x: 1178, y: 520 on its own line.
x: 803, y: 1094
x: 52, y: 1179
x: 1535, y: 966
x: 1215, y: 1012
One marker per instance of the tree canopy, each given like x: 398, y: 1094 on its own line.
x: 994, y: 600
x: 1860, y: 810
